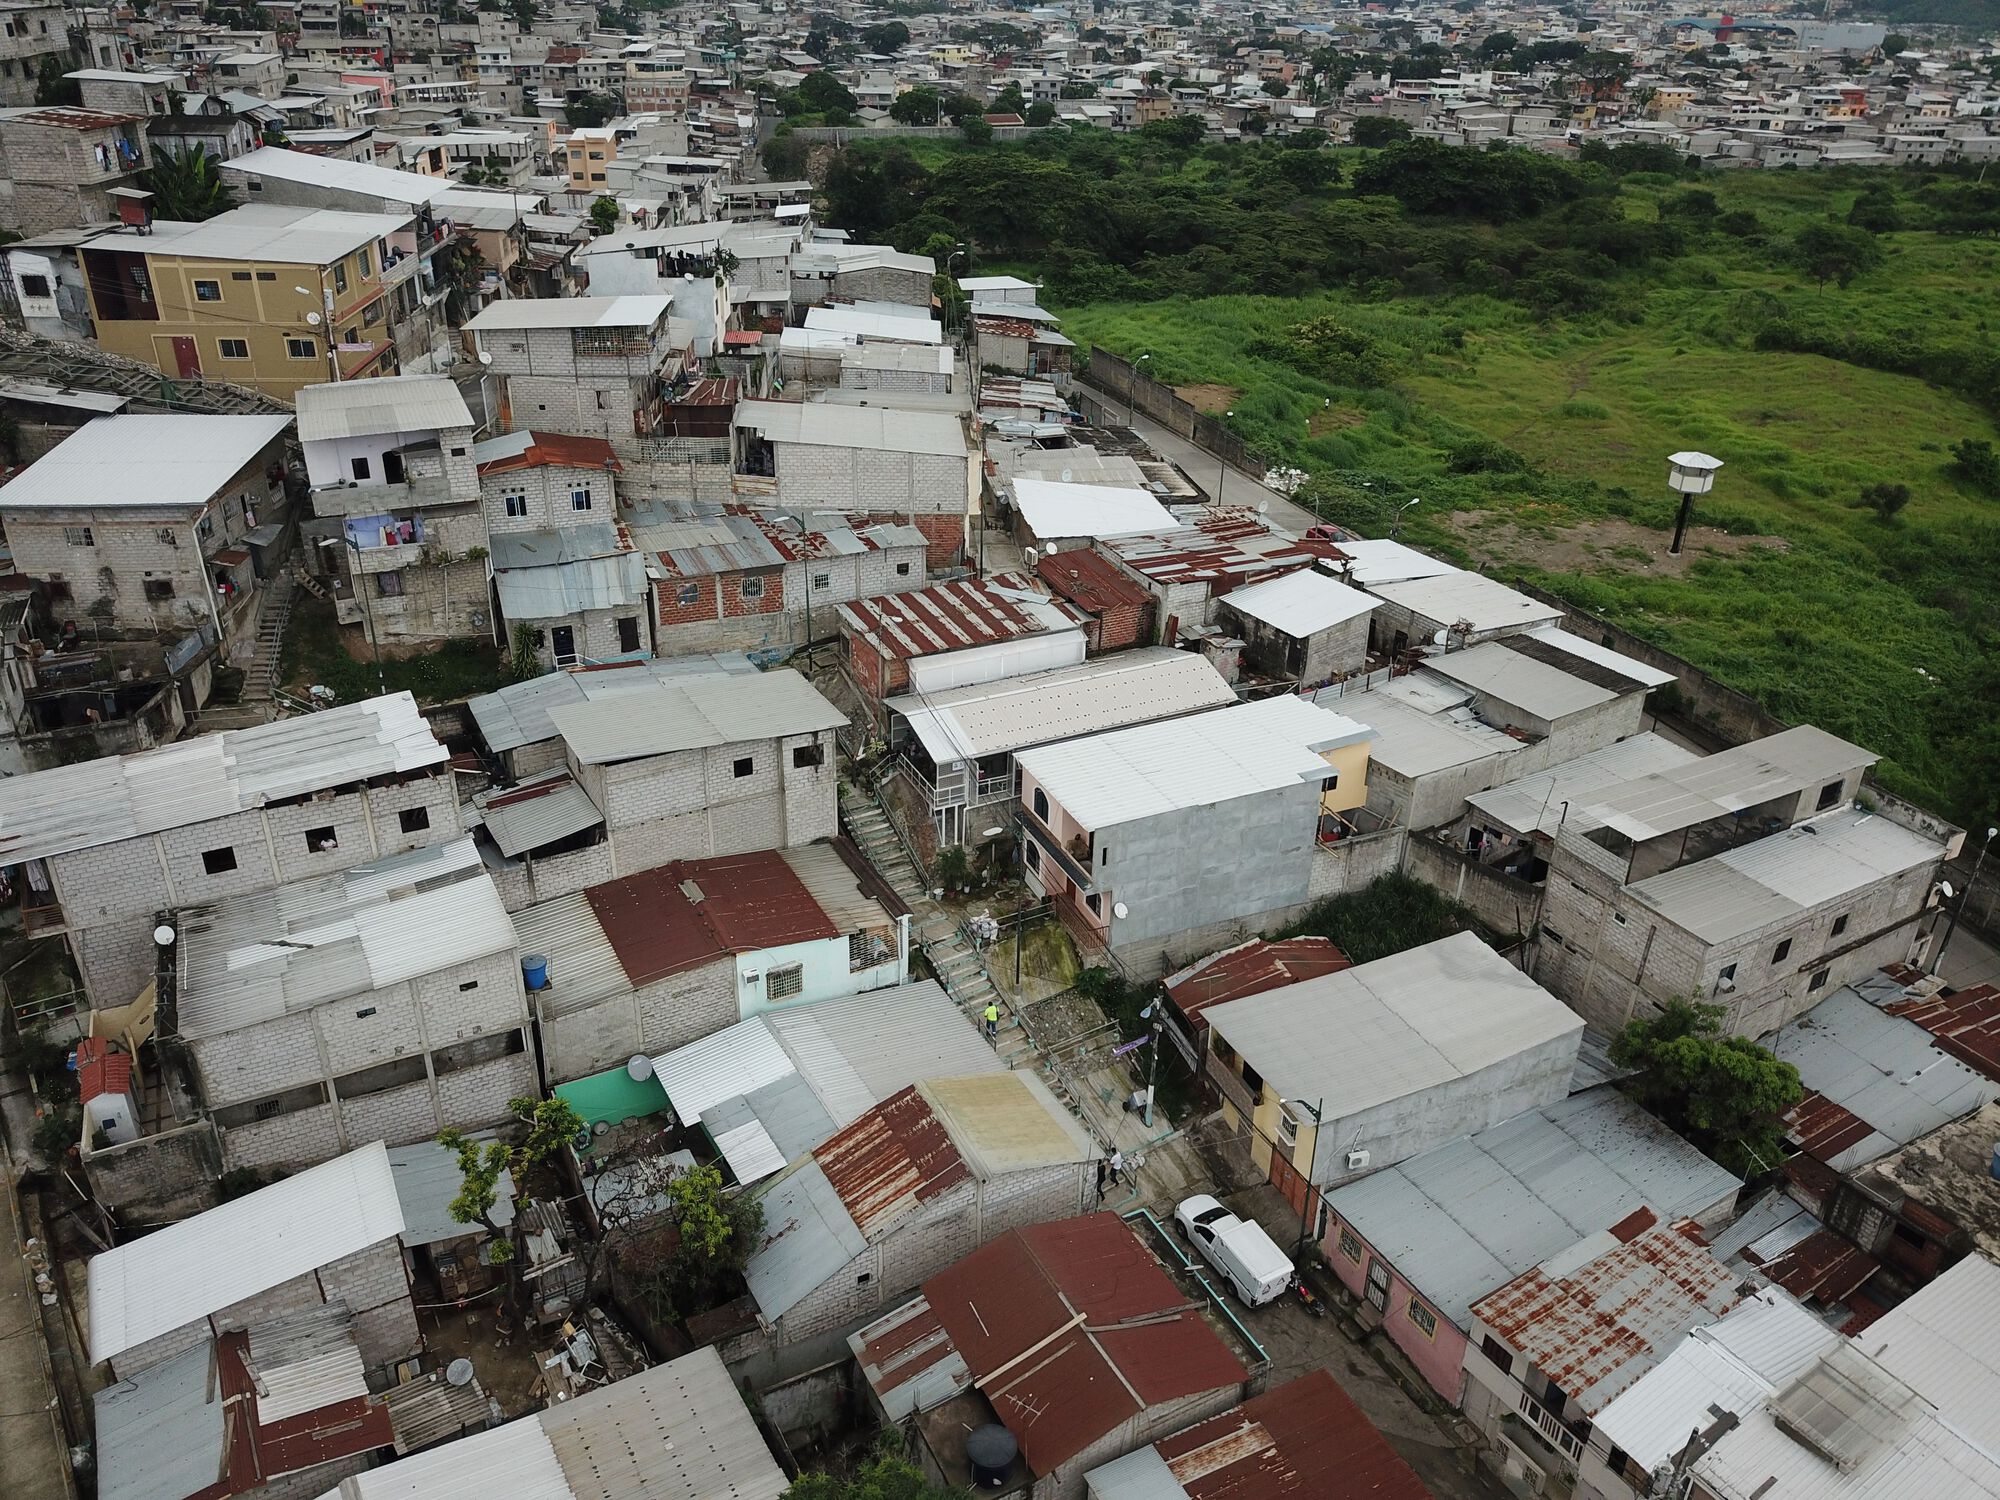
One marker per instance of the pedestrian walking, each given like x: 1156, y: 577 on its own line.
x: 1117, y: 1164
x: 992, y: 1020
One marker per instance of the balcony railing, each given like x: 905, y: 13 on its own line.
x: 1552, y: 1427
x: 400, y: 270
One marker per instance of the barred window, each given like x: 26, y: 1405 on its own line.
x: 782, y: 984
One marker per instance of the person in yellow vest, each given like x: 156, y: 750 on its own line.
x: 992, y: 1020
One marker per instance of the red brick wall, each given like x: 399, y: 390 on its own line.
x: 946, y: 534
x: 1124, y: 625
x: 670, y: 611
x: 771, y: 602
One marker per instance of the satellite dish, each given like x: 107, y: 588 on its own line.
x: 485, y: 358
x: 1263, y: 506
x: 1119, y: 911
x: 1066, y: 476
x: 1945, y: 887
x: 640, y: 1068
x: 1441, y: 638
x: 458, y: 1372
x: 313, y: 319
x: 1049, y: 548
x: 163, y: 935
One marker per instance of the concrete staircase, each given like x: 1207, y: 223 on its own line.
x: 73, y: 365
x: 959, y: 968
x: 260, y: 678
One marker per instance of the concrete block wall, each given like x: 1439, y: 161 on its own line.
x: 598, y: 404
x: 158, y: 1178
x: 536, y: 880
x: 826, y: 478
x: 547, y: 492
x: 163, y: 1347
x: 132, y: 552
x: 258, y: 1061
x: 364, y: 1030
x: 115, y: 959
x: 300, y: 1139
x: 476, y: 1097
x: 401, y: 1116
x: 668, y: 1013
x: 596, y: 633
x: 684, y: 1008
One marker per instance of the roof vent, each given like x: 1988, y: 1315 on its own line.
x: 693, y: 892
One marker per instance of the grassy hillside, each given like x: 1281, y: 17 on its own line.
x: 1524, y: 356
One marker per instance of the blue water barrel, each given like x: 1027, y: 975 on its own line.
x: 535, y: 970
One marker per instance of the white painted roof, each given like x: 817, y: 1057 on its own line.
x: 1414, y: 742
x: 1054, y: 509
x: 693, y: 713
x: 270, y: 232
x: 570, y: 312
x: 1300, y: 603
x: 1537, y: 803
x: 1604, y: 656
x: 886, y: 428
x: 918, y: 327
x: 334, y: 172
x: 1105, y: 692
x: 1191, y: 762
x: 1393, y: 1028
x: 1535, y: 687
x: 201, y: 1265
x: 365, y: 408
x: 1384, y: 561
x: 138, y: 462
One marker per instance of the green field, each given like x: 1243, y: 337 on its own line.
x: 1885, y: 632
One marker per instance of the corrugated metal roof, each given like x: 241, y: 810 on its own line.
x: 431, y: 1409
x: 541, y: 810
x: 1300, y: 603
x: 248, y: 1245
x: 837, y: 889
x: 160, y: 1434
x: 367, y: 408
x: 1007, y: 1122
x: 693, y: 713
x: 1944, y: 1342
x: 952, y: 616
x: 283, y: 951
x: 1464, y: 1218
x: 1629, y: 667
x: 1106, y: 692
x: 1535, y: 804
x: 1113, y: 1335
x: 1195, y: 761
x: 1370, y: 562
x: 1248, y: 969
x: 1732, y: 1364
x: 136, y: 462
x: 808, y: 1236
x: 1887, y: 1073
x: 543, y: 450
x: 102, y: 801
x: 678, y: 1431
x: 1770, y: 880
x: 304, y: 1362
x: 583, y: 966
x: 542, y: 548
x: 1415, y: 740
x: 894, y: 1157
x: 1473, y: 598
x: 518, y: 714
x: 1222, y: 548
x: 881, y: 429
x: 427, y: 1179
x: 266, y: 232
x: 1395, y: 1028
x: 735, y: 1061
x: 674, y: 917
x: 1052, y: 508
x: 916, y: 328
x: 569, y: 312
x: 1966, y: 1024
x: 557, y: 591
x: 1495, y: 670
x: 1726, y: 782
x: 1594, y: 1328
x: 340, y: 174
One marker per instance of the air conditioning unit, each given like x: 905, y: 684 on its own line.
x: 1357, y: 1161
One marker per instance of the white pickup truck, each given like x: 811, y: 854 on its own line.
x: 1255, y: 1268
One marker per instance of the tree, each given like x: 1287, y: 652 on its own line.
x: 1895, y: 44
x: 1876, y: 211
x: 1255, y: 124
x: 887, y: 38
x: 697, y: 1257
x: 589, y: 111
x: 784, y: 157
x: 1697, y: 204
x: 917, y: 106
x: 1498, y: 44
x: 957, y: 107
x: 604, y: 214
x: 1835, y: 252
x: 822, y: 91
x: 885, y: 1475
x: 1373, y: 131
x: 186, y: 186
x: 551, y: 1124
x: 976, y: 131
x: 1077, y: 91
x: 1041, y: 112
x: 1277, y: 88
x: 523, y: 12
x: 1975, y: 461
x: 1010, y: 101
x: 50, y: 85
x: 1724, y: 1093
x: 1885, y: 500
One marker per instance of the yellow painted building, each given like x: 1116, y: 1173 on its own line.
x: 1350, y: 764
x: 264, y: 296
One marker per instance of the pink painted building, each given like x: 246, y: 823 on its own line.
x: 1421, y: 1241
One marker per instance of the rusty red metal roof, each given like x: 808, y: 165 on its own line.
x: 1824, y: 1129
x: 255, y: 1453
x: 679, y: 916
x: 945, y: 617
x: 1006, y: 328
x: 1966, y: 1024
x: 1822, y: 1268
x: 1090, y: 581
x: 1594, y: 1328
x: 556, y: 450
x: 1251, y: 969
x: 76, y: 117
x: 1304, y: 1438
x: 710, y: 390
x: 1104, y: 1321
x: 1226, y: 548
x: 742, y: 338
x: 895, y: 1156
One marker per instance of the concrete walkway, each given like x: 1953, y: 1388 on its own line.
x: 1969, y: 960
x: 34, y: 1454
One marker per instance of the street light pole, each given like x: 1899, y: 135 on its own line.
x: 1221, y: 467
x: 1937, y: 965
x: 1397, y: 524
x: 1159, y: 1020
x: 1131, y: 411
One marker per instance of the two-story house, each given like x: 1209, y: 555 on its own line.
x: 66, y: 162
x: 30, y: 33
x: 139, y: 522
x: 1166, y: 840
x: 587, y: 366
x: 398, y: 526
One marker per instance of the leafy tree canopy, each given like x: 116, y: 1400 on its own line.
x: 1724, y: 1093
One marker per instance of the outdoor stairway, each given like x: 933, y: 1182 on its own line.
x: 260, y: 678
x: 943, y: 941
x: 70, y: 365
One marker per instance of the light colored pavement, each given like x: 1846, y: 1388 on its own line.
x: 1205, y: 469
x: 1969, y: 959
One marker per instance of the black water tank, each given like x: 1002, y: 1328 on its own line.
x: 990, y: 1450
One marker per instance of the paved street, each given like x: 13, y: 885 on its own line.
x: 34, y: 1457
x: 1969, y: 959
